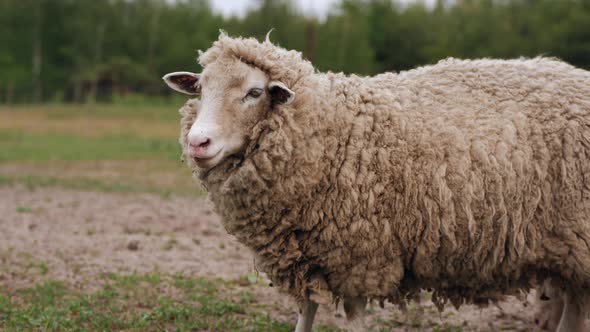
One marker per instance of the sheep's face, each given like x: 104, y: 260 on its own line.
x: 234, y: 97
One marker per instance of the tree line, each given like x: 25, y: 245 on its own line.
x: 83, y: 50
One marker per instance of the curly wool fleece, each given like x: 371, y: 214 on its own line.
x: 471, y: 178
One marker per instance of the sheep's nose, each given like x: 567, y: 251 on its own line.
x: 199, y: 146
x: 199, y: 141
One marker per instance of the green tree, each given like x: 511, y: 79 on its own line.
x: 343, y: 42
x: 79, y: 51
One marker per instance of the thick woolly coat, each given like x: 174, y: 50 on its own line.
x: 466, y: 177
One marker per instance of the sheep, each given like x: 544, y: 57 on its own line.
x: 550, y: 300
x: 548, y: 306
x: 469, y: 178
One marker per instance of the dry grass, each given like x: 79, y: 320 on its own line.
x: 85, y: 123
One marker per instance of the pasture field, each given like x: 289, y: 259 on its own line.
x: 110, y: 148
x: 102, y: 229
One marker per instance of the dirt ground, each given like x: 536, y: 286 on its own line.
x: 73, y: 235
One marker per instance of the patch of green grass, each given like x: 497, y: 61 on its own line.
x: 265, y: 323
x: 18, y: 145
x: 170, y: 244
x: 247, y: 297
x: 45, y: 293
x: 43, y: 268
x: 40, y: 265
x: 325, y: 328
x: 5, y: 308
x: 151, y: 302
x: 200, y: 285
x: 450, y: 328
x: 24, y: 209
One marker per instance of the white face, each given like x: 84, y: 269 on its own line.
x: 213, y: 136
x: 234, y: 97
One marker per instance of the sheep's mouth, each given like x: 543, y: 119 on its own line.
x: 208, y: 162
x: 200, y: 160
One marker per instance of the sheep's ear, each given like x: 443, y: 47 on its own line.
x: 184, y: 81
x: 280, y: 93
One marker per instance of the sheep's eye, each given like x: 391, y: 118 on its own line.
x: 254, y: 93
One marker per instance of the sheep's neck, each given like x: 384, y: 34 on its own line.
x: 298, y: 186
x: 282, y: 174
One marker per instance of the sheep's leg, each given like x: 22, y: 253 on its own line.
x: 549, y: 314
x: 573, y: 316
x: 354, y: 307
x: 548, y: 306
x: 307, y: 310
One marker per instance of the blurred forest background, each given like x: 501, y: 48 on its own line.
x: 117, y: 50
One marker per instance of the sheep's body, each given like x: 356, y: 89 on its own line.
x: 467, y: 177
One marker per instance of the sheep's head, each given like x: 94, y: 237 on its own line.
x: 234, y: 97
